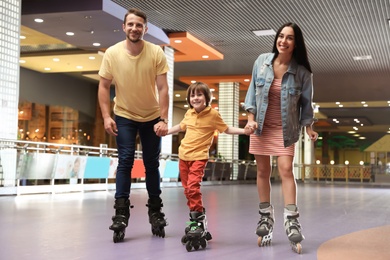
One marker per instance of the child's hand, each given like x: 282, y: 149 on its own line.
x: 249, y: 130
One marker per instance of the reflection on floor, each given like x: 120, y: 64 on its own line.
x: 75, y: 225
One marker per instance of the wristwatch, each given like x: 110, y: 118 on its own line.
x: 163, y: 120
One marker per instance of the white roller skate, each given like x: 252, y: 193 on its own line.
x: 265, y: 225
x: 293, y: 228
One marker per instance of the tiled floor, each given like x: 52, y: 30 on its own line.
x: 75, y: 225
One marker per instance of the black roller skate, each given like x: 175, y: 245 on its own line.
x: 156, y: 216
x: 293, y: 228
x: 265, y: 225
x: 121, y: 219
x: 196, y: 234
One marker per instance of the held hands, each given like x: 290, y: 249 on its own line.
x: 250, y: 127
x: 110, y: 126
x: 248, y: 130
x: 161, y: 129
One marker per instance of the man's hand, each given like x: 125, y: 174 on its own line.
x: 161, y: 129
x: 110, y: 126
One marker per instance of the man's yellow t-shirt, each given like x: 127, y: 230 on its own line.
x: 136, y: 95
x: 199, y: 133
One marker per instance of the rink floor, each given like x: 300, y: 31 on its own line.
x: 340, y: 222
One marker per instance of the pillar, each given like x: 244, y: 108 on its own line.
x: 166, y: 143
x: 9, y: 83
x: 228, y: 103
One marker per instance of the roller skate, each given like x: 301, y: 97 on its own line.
x: 156, y: 216
x: 121, y: 219
x: 265, y: 225
x: 293, y: 228
x: 196, y: 234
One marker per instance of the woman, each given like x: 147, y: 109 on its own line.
x: 279, y: 103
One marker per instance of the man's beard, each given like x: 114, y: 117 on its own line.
x: 134, y: 40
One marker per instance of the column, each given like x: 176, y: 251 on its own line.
x: 9, y: 83
x: 166, y: 144
x: 228, y: 103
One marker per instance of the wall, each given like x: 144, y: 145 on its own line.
x: 58, y: 89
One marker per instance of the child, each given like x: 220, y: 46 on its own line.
x: 200, y: 122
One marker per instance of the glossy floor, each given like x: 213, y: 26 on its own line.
x: 75, y: 225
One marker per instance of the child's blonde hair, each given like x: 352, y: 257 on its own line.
x: 199, y: 87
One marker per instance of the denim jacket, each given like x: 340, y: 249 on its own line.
x: 296, y: 97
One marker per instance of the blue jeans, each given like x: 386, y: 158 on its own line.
x: 126, y: 144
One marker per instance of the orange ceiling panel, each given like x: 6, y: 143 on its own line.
x: 189, y: 48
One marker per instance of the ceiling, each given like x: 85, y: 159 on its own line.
x: 335, y: 32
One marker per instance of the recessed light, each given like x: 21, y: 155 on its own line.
x: 96, y: 44
x: 47, y: 69
x: 22, y: 37
x: 205, y: 56
x: 56, y: 59
x: 364, y: 57
x: 38, y: 20
x: 79, y: 67
x: 91, y: 57
x: 193, y: 81
x: 22, y: 61
x: 177, y: 95
x: 265, y: 32
x: 178, y: 41
x: 247, y: 80
x: 70, y: 33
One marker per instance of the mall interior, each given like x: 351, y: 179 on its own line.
x: 50, y: 54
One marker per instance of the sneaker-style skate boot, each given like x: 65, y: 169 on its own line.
x: 265, y: 225
x: 121, y: 219
x: 196, y: 234
x: 157, y: 218
x: 293, y: 228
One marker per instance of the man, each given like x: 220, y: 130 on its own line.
x: 137, y: 67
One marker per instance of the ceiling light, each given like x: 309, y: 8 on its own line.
x: 96, y: 44
x: 79, y: 67
x: 22, y: 61
x: 193, y: 81
x: 56, y: 59
x: 363, y: 102
x: 47, y: 69
x: 91, y: 57
x: 364, y: 57
x: 177, y: 95
x: 246, y: 80
x: 70, y: 33
x: 178, y: 41
x: 265, y: 32
x: 38, y: 20
x: 205, y: 56
x: 362, y: 137
x: 365, y: 105
x: 22, y: 37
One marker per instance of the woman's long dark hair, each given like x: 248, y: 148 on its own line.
x: 300, y: 52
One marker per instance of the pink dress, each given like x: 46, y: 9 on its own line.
x: 271, y: 140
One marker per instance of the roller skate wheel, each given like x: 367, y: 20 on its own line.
x: 259, y: 239
x: 297, y: 248
x: 118, y: 236
x: 203, y: 243
x: 184, y: 239
x: 188, y: 246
